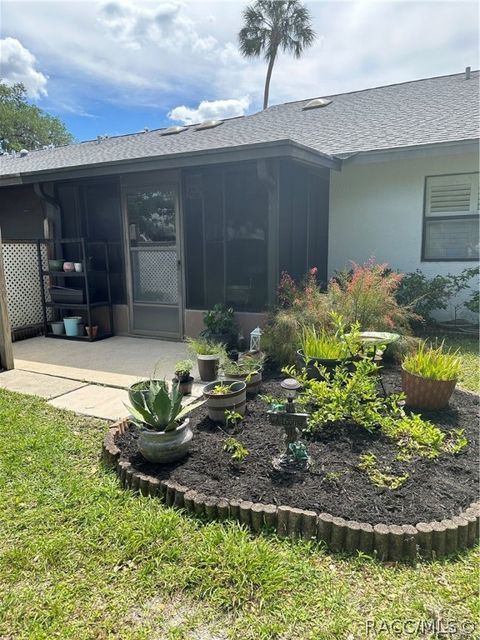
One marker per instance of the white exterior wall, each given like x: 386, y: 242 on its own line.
x: 377, y: 210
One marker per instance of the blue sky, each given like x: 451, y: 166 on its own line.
x: 118, y: 66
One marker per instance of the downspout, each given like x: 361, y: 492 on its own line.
x: 53, y: 219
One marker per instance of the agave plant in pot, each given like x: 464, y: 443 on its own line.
x: 429, y: 377
x: 183, y: 377
x: 208, y: 357
x: 165, y: 434
x: 224, y: 397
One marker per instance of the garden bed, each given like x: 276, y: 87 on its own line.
x: 436, y: 489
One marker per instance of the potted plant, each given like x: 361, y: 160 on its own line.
x: 208, y: 357
x: 429, y: 376
x: 223, y: 397
x: 330, y: 350
x: 249, y: 370
x: 92, y: 331
x: 220, y: 326
x: 165, y: 435
x: 183, y: 377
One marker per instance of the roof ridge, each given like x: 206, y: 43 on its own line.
x: 381, y: 86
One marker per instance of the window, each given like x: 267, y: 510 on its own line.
x: 451, y: 217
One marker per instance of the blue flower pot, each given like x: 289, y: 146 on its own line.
x: 72, y: 325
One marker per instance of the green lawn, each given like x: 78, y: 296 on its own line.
x: 469, y: 353
x: 83, y: 559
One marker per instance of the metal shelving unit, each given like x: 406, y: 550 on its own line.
x: 85, y: 278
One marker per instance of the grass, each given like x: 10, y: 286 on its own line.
x: 470, y: 360
x: 82, y: 559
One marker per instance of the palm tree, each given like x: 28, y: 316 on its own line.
x: 273, y: 25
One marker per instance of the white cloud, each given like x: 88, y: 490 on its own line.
x: 210, y: 110
x: 165, y: 25
x: 17, y: 64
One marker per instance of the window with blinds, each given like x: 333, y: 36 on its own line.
x: 451, y: 217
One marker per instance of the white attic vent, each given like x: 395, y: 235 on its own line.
x: 172, y: 130
x: 208, y: 124
x: 316, y: 103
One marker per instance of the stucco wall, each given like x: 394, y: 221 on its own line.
x: 376, y: 210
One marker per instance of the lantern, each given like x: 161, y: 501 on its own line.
x: 291, y: 387
x: 255, y: 339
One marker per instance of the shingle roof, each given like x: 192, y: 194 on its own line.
x: 434, y: 110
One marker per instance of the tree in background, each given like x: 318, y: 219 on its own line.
x: 24, y: 125
x: 271, y: 26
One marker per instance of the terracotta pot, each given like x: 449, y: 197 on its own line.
x: 422, y: 393
x: 92, y: 331
x: 162, y: 447
x: 68, y: 266
x: 207, y: 367
x: 236, y: 400
x: 184, y: 386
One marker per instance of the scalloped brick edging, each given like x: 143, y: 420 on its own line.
x: 428, y: 540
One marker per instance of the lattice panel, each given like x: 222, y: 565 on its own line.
x: 155, y: 276
x: 23, y: 283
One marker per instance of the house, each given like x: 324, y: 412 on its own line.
x: 214, y: 212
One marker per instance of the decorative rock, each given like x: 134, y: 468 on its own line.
x: 178, y: 500
x: 324, y: 528
x: 270, y: 515
x: 235, y: 509
x: 282, y: 521
x: 451, y: 536
x: 153, y: 486
x: 352, y: 536
x: 295, y: 523
x: 245, y: 508
x: 425, y: 537
x: 188, y: 500
x: 199, y: 504
x: 366, y: 538
x: 438, y: 539
x: 395, y: 543
x: 309, y: 525
x: 462, y: 531
x: 381, y: 534
x: 223, y: 509
x: 409, y: 542
x: 339, y: 530
x: 256, y: 514
x: 211, y: 508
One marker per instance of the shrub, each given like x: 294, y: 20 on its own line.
x: 366, y: 295
x: 281, y: 337
x: 398, y: 350
x: 220, y: 325
x: 433, y: 363
x: 331, y: 345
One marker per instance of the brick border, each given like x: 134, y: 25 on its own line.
x: 425, y: 540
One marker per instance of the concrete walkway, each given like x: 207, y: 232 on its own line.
x: 91, y: 378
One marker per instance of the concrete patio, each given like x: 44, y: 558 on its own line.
x: 91, y: 378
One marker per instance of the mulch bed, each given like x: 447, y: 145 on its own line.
x: 435, y: 490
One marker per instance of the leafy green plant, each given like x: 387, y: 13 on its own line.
x: 336, y: 344
x: 368, y: 463
x: 221, y: 389
x: 155, y: 407
x: 236, y: 449
x: 202, y: 346
x: 457, y: 441
x: 220, y: 324
x: 433, y: 363
x: 232, y: 418
x: 183, y: 368
x: 246, y: 368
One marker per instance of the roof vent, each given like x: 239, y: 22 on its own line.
x: 146, y: 130
x: 23, y: 153
x: 208, y: 124
x: 172, y: 130
x: 316, y: 103
x: 468, y: 73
